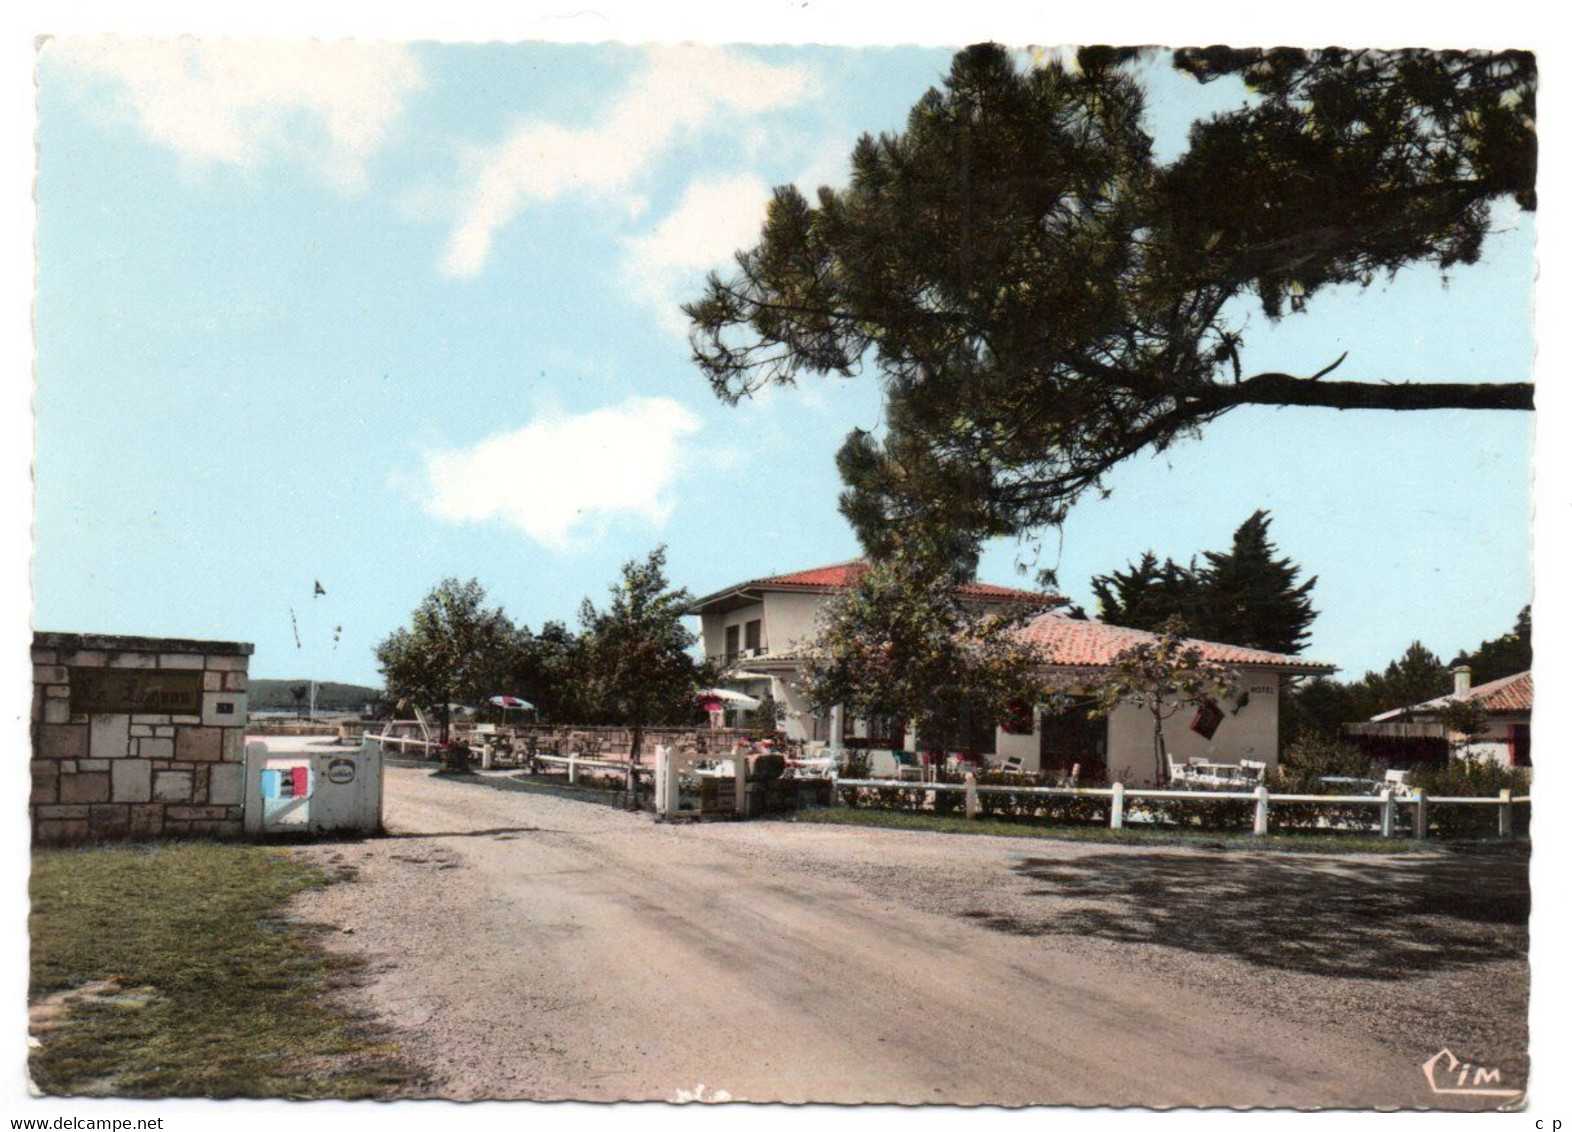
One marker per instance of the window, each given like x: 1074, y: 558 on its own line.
x: 752, y: 634
x: 1517, y: 745
x: 731, y: 642
x: 884, y: 732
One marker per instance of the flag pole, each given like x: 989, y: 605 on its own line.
x: 316, y: 592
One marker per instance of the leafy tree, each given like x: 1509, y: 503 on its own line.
x: 454, y: 650
x: 1247, y: 595
x: 1465, y: 721
x: 764, y: 722
x: 901, y: 644
x: 1162, y: 677
x: 1043, y: 299
x: 1318, y: 707
x: 299, y: 692
x: 550, y: 674
x: 637, y: 670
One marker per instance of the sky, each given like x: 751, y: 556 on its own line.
x: 375, y: 314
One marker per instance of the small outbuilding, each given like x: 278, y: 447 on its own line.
x: 1508, y: 705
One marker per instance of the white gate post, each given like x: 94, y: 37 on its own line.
x: 740, y: 773
x: 1116, y: 811
x: 1260, y: 811
x: 1506, y: 812
x: 1421, y: 815
x: 971, y: 795
x: 663, y: 776
x: 252, y: 805
x: 1388, y: 814
x: 573, y: 769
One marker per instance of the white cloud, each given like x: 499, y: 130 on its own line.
x: 328, y: 105
x: 559, y: 473
x: 680, y: 89
x: 711, y: 222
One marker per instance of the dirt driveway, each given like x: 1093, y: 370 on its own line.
x: 527, y: 946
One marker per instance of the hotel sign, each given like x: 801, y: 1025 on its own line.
x: 114, y: 690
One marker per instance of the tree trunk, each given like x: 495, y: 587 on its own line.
x: 1159, y: 751
x: 1285, y: 389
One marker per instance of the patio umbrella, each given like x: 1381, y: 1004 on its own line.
x: 729, y: 698
x: 506, y: 702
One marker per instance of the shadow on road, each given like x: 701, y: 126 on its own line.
x: 1338, y: 917
x: 499, y: 831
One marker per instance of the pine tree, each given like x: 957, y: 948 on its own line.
x: 1252, y: 597
x: 1506, y: 655
x: 1147, y: 595
x: 1416, y: 676
x: 1248, y: 596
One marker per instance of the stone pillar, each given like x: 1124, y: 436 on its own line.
x: 137, y: 737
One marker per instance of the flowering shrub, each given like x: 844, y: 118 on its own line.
x: 456, y: 757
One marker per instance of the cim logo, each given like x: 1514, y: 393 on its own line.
x: 1450, y: 1077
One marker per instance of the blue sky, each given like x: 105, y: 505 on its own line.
x: 373, y: 315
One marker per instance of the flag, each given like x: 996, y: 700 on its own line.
x: 1207, y: 718
x: 319, y: 591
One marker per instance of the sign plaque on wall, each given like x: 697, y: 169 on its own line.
x: 111, y: 690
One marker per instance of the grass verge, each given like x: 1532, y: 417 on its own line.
x: 997, y: 827
x: 223, y: 996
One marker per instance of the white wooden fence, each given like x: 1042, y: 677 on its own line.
x: 1118, y: 795
x: 575, y: 763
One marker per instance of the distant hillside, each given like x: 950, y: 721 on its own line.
x: 274, y: 695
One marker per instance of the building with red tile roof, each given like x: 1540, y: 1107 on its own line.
x: 1073, y: 642
x: 1508, y: 704
x: 841, y: 575
x: 763, y: 630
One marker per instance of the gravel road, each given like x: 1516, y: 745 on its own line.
x: 527, y: 946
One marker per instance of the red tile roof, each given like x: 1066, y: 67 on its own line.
x: 1073, y: 643
x: 840, y: 575
x: 1508, y: 694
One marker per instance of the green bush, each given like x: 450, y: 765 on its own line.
x: 455, y: 758
x: 856, y: 764
x: 1472, y: 778
x: 1310, y: 757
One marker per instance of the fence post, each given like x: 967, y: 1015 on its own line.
x: 1506, y: 812
x: 573, y: 770
x: 1260, y: 811
x: 740, y: 772
x: 1421, y: 815
x: 971, y: 795
x: 1388, y: 814
x: 1116, y: 811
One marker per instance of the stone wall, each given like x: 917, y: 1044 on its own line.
x: 103, y: 770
